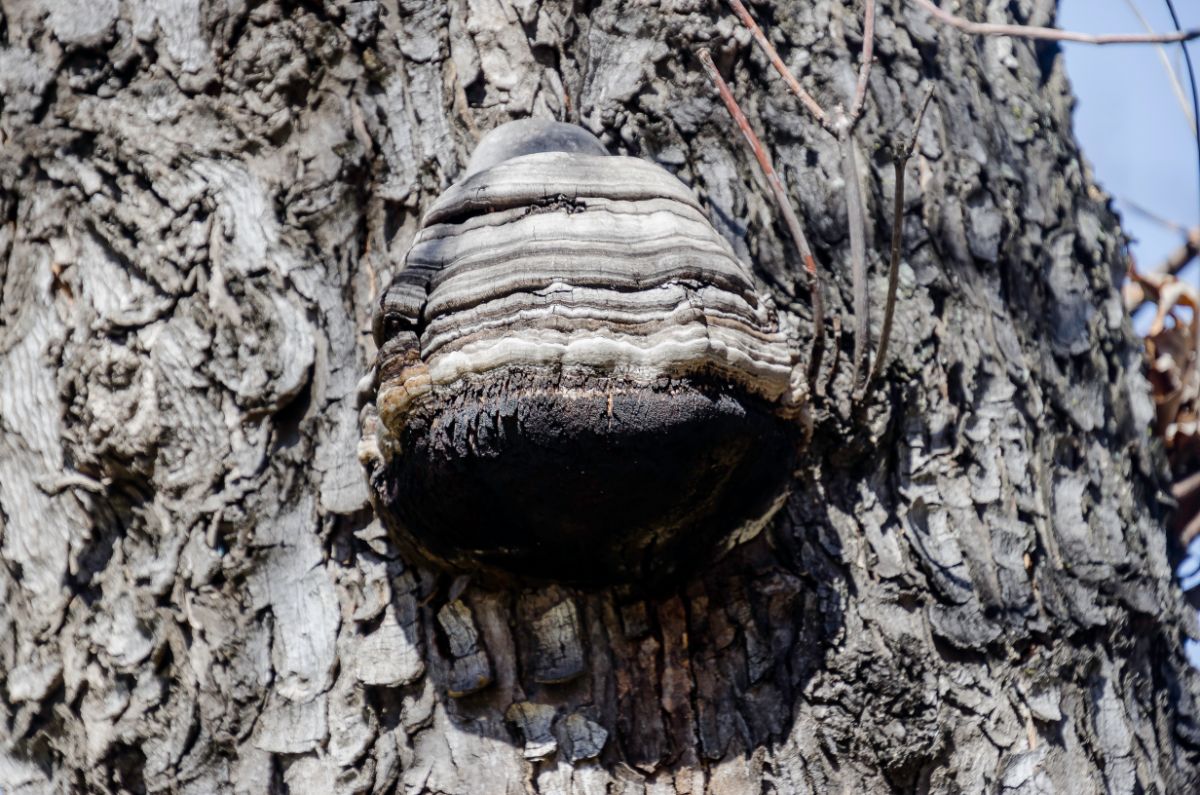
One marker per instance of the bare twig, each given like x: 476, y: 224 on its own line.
x: 864, y: 68
x: 1181, y: 256
x: 1151, y: 215
x: 840, y: 125
x: 1187, y: 493
x: 1145, y: 287
x: 1051, y: 34
x: 855, y: 218
x: 1172, y: 75
x: 889, y: 307
x: 769, y: 50
x: 1191, y: 72
x: 855, y: 211
x: 785, y: 209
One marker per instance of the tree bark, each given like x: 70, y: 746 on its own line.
x: 969, y: 590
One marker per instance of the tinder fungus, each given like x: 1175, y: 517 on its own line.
x: 577, y: 380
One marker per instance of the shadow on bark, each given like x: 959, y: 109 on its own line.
x: 704, y: 672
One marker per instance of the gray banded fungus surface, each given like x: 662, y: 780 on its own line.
x: 577, y: 380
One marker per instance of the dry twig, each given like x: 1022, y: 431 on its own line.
x: 785, y: 209
x: 857, y: 222
x: 768, y: 49
x: 1172, y: 75
x: 1181, y: 256
x: 1150, y: 215
x: 1051, y: 34
x: 864, y: 68
x: 889, y: 306
x: 855, y: 213
x: 840, y: 125
x: 1142, y: 288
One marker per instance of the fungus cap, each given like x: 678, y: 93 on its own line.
x: 577, y: 380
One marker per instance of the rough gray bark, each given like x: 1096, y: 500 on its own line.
x: 968, y: 592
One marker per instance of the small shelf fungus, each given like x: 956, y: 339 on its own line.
x: 577, y: 380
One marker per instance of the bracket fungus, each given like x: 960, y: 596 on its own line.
x: 576, y: 379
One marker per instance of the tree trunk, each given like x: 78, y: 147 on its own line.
x: 969, y: 590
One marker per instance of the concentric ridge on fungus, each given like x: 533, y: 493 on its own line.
x: 577, y: 379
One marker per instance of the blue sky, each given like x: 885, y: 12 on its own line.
x: 1137, y: 137
x: 1129, y: 122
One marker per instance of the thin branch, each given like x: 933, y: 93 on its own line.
x: 773, y: 56
x: 856, y: 216
x: 889, y: 307
x: 785, y: 209
x: 1181, y: 256
x: 1172, y: 75
x: 840, y: 125
x: 1187, y: 494
x: 856, y: 219
x: 864, y: 68
x: 1150, y: 215
x: 1191, y: 71
x: 1052, y: 34
x: 1142, y: 288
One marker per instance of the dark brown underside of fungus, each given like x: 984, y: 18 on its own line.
x: 584, y: 479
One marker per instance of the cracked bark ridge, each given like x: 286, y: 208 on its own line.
x: 970, y: 591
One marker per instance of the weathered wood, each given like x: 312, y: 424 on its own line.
x: 969, y: 589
